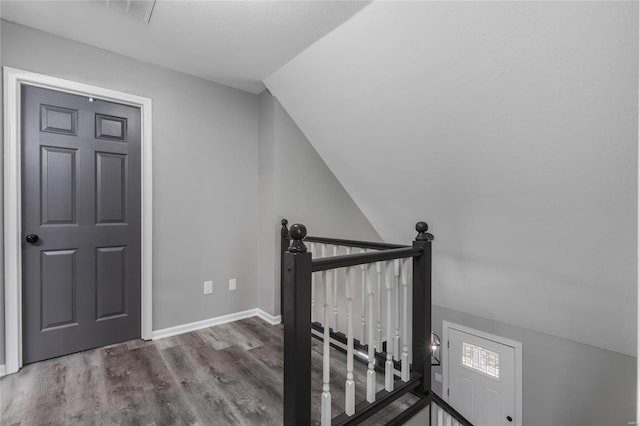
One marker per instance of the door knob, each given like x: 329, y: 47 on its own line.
x: 509, y: 418
x: 32, y: 238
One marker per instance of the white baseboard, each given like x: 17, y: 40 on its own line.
x: 198, y: 325
x: 3, y: 370
x: 273, y: 320
x: 193, y: 326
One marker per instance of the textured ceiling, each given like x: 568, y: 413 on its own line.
x: 512, y: 128
x: 237, y: 43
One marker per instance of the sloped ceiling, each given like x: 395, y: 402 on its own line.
x: 511, y: 127
x: 236, y: 43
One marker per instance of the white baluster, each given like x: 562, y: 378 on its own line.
x: 323, y: 278
x: 371, y: 372
x: 433, y: 411
x: 325, y: 405
x: 379, y: 313
x: 396, y: 336
x: 350, y: 385
x: 363, y: 302
x: 313, y: 286
x: 388, y: 365
x: 335, y: 294
x: 405, y: 323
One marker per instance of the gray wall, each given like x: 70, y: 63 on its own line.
x: 295, y: 183
x: 205, y: 142
x: 564, y: 383
x: 308, y: 192
x: 269, y: 238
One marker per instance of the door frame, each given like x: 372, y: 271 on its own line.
x: 446, y: 326
x: 13, y: 79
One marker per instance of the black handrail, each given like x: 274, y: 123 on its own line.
x: 354, y: 243
x: 450, y: 410
x: 334, y: 262
x: 340, y: 241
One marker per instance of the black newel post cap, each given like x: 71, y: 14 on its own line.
x: 422, y: 229
x: 297, y: 233
x: 284, y: 229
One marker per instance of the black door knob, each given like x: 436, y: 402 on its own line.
x: 509, y: 418
x: 32, y: 238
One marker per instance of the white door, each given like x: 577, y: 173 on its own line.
x: 481, y: 379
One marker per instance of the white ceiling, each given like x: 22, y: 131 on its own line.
x: 511, y: 127
x: 237, y: 43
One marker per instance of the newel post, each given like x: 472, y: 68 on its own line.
x: 284, y: 247
x: 297, y: 329
x: 422, y: 308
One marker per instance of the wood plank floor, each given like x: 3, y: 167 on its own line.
x: 230, y: 374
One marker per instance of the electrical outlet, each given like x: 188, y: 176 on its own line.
x: 208, y: 287
x: 232, y: 284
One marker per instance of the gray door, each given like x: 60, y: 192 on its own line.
x: 81, y: 198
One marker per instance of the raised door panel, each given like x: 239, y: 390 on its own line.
x: 58, y: 168
x: 55, y: 119
x: 465, y: 397
x: 58, y: 288
x: 110, y: 282
x: 111, y: 128
x: 491, y: 406
x: 111, y: 184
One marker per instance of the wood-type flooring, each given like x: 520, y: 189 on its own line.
x: 229, y: 374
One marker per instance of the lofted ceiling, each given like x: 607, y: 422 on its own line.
x: 236, y: 43
x: 511, y: 127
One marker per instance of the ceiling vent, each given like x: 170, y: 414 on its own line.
x: 139, y: 9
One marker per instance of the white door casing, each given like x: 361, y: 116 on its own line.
x: 485, y: 398
x: 12, y: 81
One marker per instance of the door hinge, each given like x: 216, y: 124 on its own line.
x: 447, y: 391
x: 448, y: 344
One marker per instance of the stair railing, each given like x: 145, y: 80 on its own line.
x: 405, y: 358
x: 444, y: 414
x: 440, y: 413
